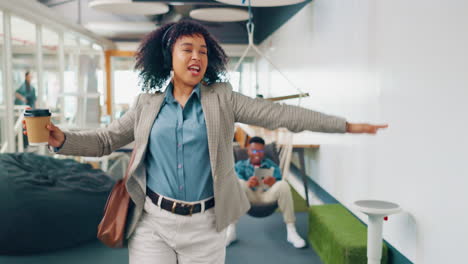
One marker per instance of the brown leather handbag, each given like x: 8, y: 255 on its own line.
x: 111, y: 230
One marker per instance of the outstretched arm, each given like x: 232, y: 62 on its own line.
x: 264, y: 113
x: 270, y: 115
x: 103, y: 140
x: 363, y: 128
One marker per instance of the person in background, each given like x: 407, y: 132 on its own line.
x: 182, y: 182
x: 277, y: 191
x: 26, y: 93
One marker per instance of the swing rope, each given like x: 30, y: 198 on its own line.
x: 250, y: 33
x: 286, y: 147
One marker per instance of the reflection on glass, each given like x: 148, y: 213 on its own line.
x: 89, y: 65
x: 243, y: 80
x: 71, y: 107
x: 125, y: 84
x: 97, y: 47
x: 84, y: 43
x: 84, y: 83
x: 71, y: 48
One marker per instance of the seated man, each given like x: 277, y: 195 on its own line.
x: 277, y: 191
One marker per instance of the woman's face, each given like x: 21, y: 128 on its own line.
x: 189, y: 59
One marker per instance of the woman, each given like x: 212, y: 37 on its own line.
x: 26, y: 93
x: 182, y: 181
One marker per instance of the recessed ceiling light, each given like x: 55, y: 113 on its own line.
x: 261, y: 3
x: 220, y: 14
x: 128, y: 7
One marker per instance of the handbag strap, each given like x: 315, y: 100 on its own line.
x: 132, y: 158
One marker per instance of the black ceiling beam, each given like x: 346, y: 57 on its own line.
x: 266, y: 19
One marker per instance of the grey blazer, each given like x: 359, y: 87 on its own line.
x: 222, y: 108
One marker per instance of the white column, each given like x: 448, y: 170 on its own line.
x: 61, y: 63
x: 104, y: 82
x: 39, y: 68
x: 80, y: 115
x: 8, y: 77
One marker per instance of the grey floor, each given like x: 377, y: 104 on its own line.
x: 263, y: 240
x: 260, y: 240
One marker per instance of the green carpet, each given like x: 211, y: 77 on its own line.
x: 337, y: 236
x: 300, y: 204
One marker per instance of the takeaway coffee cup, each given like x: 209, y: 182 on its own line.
x: 36, y: 126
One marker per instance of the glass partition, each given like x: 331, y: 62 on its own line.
x: 84, y: 83
x: 243, y: 80
x: 89, y: 103
x: 70, y: 84
x: 51, y: 83
x: 89, y: 85
x: 23, y: 42
x: 70, y: 89
x: 24, y: 71
x: 125, y: 84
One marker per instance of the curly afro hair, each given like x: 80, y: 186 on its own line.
x: 154, y: 60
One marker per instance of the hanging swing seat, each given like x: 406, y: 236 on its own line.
x: 272, y: 153
x: 262, y: 210
x: 279, y: 153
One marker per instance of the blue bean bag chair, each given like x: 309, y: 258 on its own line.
x: 48, y: 204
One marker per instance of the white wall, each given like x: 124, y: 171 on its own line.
x: 401, y: 62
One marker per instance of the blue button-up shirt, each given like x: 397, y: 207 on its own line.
x: 178, y: 163
x: 245, y: 169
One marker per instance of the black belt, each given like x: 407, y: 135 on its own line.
x: 177, y: 207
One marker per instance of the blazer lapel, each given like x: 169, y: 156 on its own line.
x: 210, y: 106
x: 148, y: 115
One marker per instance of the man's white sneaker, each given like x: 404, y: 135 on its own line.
x: 231, y: 234
x: 294, y: 238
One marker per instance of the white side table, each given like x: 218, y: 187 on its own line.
x: 376, y: 211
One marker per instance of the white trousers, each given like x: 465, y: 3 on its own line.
x: 280, y: 192
x: 162, y: 237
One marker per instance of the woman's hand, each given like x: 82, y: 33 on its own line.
x: 364, y: 128
x: 56, y: 136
